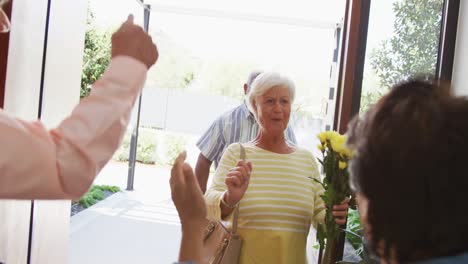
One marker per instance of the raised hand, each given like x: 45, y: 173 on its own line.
x: 186, y: 192
x: 237, y: 181
x: 191, y: 207
x: 131, y: 40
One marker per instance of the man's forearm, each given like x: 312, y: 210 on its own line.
x: 202, y: 170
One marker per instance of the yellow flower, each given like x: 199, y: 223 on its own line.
x: 342, y: 165
x: 330, y: 135
x: 347, y: 153
x: 327, y: 136
x: 338, y: 143
x: 321, y: 147
x: 322, y: 137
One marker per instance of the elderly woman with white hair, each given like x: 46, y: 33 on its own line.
x: 277, y: 197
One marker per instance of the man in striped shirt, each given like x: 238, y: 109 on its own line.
x: 236, y: 125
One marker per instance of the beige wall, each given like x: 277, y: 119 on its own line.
x: 460, y: 67
x: 14, y: 231
x: 61, y: 93
x: 21, y: 99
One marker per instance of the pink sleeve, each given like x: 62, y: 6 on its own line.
x: 63, y: 162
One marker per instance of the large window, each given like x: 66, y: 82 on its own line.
x: 402, y: 42
x: 207, y: 50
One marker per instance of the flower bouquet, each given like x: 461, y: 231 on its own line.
x: 336, y: 185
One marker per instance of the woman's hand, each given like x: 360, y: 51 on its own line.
x: 340, y: 212
x: 191, y: 207
x: 237, y: 181
x: 186, y: 193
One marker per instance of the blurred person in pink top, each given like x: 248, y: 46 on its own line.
x: 36, y: 163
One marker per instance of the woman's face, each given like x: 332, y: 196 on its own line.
x: 273, y: 109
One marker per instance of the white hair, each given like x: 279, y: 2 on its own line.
x: 264, y: 82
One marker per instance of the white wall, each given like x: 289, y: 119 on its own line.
x: 62, y: 78
x: 22, y: 88
x: 460, y: 67
x: 65, y: 45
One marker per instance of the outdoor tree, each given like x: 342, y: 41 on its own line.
x: 97, y: 54
x: 176, y: 67
x: 224, y: 76
x: 412, y: 49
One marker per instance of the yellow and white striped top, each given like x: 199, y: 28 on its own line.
x: 280, y: 204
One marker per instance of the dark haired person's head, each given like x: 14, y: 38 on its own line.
x: 410, y: 171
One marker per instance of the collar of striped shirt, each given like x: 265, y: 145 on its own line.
x: 247, y: 112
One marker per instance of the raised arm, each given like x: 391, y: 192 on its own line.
x: 211, y: 144
x: 229, y: 184
x: 190, y: 205
x: 202, y: 170
x: 63, y: 162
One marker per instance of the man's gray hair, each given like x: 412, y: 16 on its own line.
x: 251, y: 79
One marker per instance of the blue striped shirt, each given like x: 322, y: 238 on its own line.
x: 236, y: 125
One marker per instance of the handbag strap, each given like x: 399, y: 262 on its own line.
x: 236, y: 210
x: 234, y: 220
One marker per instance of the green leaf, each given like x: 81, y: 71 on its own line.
x: 413, y: 47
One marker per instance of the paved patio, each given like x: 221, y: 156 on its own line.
x: 139, y: 226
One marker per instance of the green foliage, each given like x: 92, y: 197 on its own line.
x: 336, y: 189
x: 368, y: 99
x: 371, y: 90
x: 354, y: 235
x: 123, y: 152
x: 176, y: 66
x: 173, y: 145
x: 222, y: 77
x: 97, y: 55
x: 412, y: 50
x: 146, y: 147
x: 109, y: 188
x: 354, y: 230
x: 96, y: 194
x: 321, y: 235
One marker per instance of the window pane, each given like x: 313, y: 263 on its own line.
x: 209, y: 48
x: 402, y: 42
